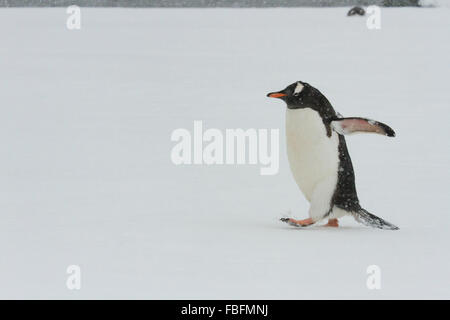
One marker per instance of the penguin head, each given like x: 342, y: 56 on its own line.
x: 297, y: 95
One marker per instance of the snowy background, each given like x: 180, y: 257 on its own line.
x: 86, y: 176
x: 209, y: 3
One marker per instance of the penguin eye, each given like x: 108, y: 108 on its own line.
x: 298, y: 89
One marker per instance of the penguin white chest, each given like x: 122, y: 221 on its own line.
x: 313, y: 156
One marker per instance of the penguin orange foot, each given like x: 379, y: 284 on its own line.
x: 298, y: 223
x: 332, y: 223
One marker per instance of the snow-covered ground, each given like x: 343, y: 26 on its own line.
x: 86, y: 177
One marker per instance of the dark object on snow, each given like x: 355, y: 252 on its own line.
x: 401, y: 3
x: 356, y: 10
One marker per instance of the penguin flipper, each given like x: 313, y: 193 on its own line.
x: 371, y: 220
x: 346, y: 126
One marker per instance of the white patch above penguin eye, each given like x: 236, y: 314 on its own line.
x: 298, y: 89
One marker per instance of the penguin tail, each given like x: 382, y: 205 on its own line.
x: 371, y: 220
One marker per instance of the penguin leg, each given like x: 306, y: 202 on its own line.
x: 332, y: 223
x: 298, y: 223
x: 320, y: 204
x: 321, y: 200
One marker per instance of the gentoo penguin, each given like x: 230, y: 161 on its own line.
x: 319, y: 159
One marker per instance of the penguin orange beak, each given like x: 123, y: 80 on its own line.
x: 276, y: 94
